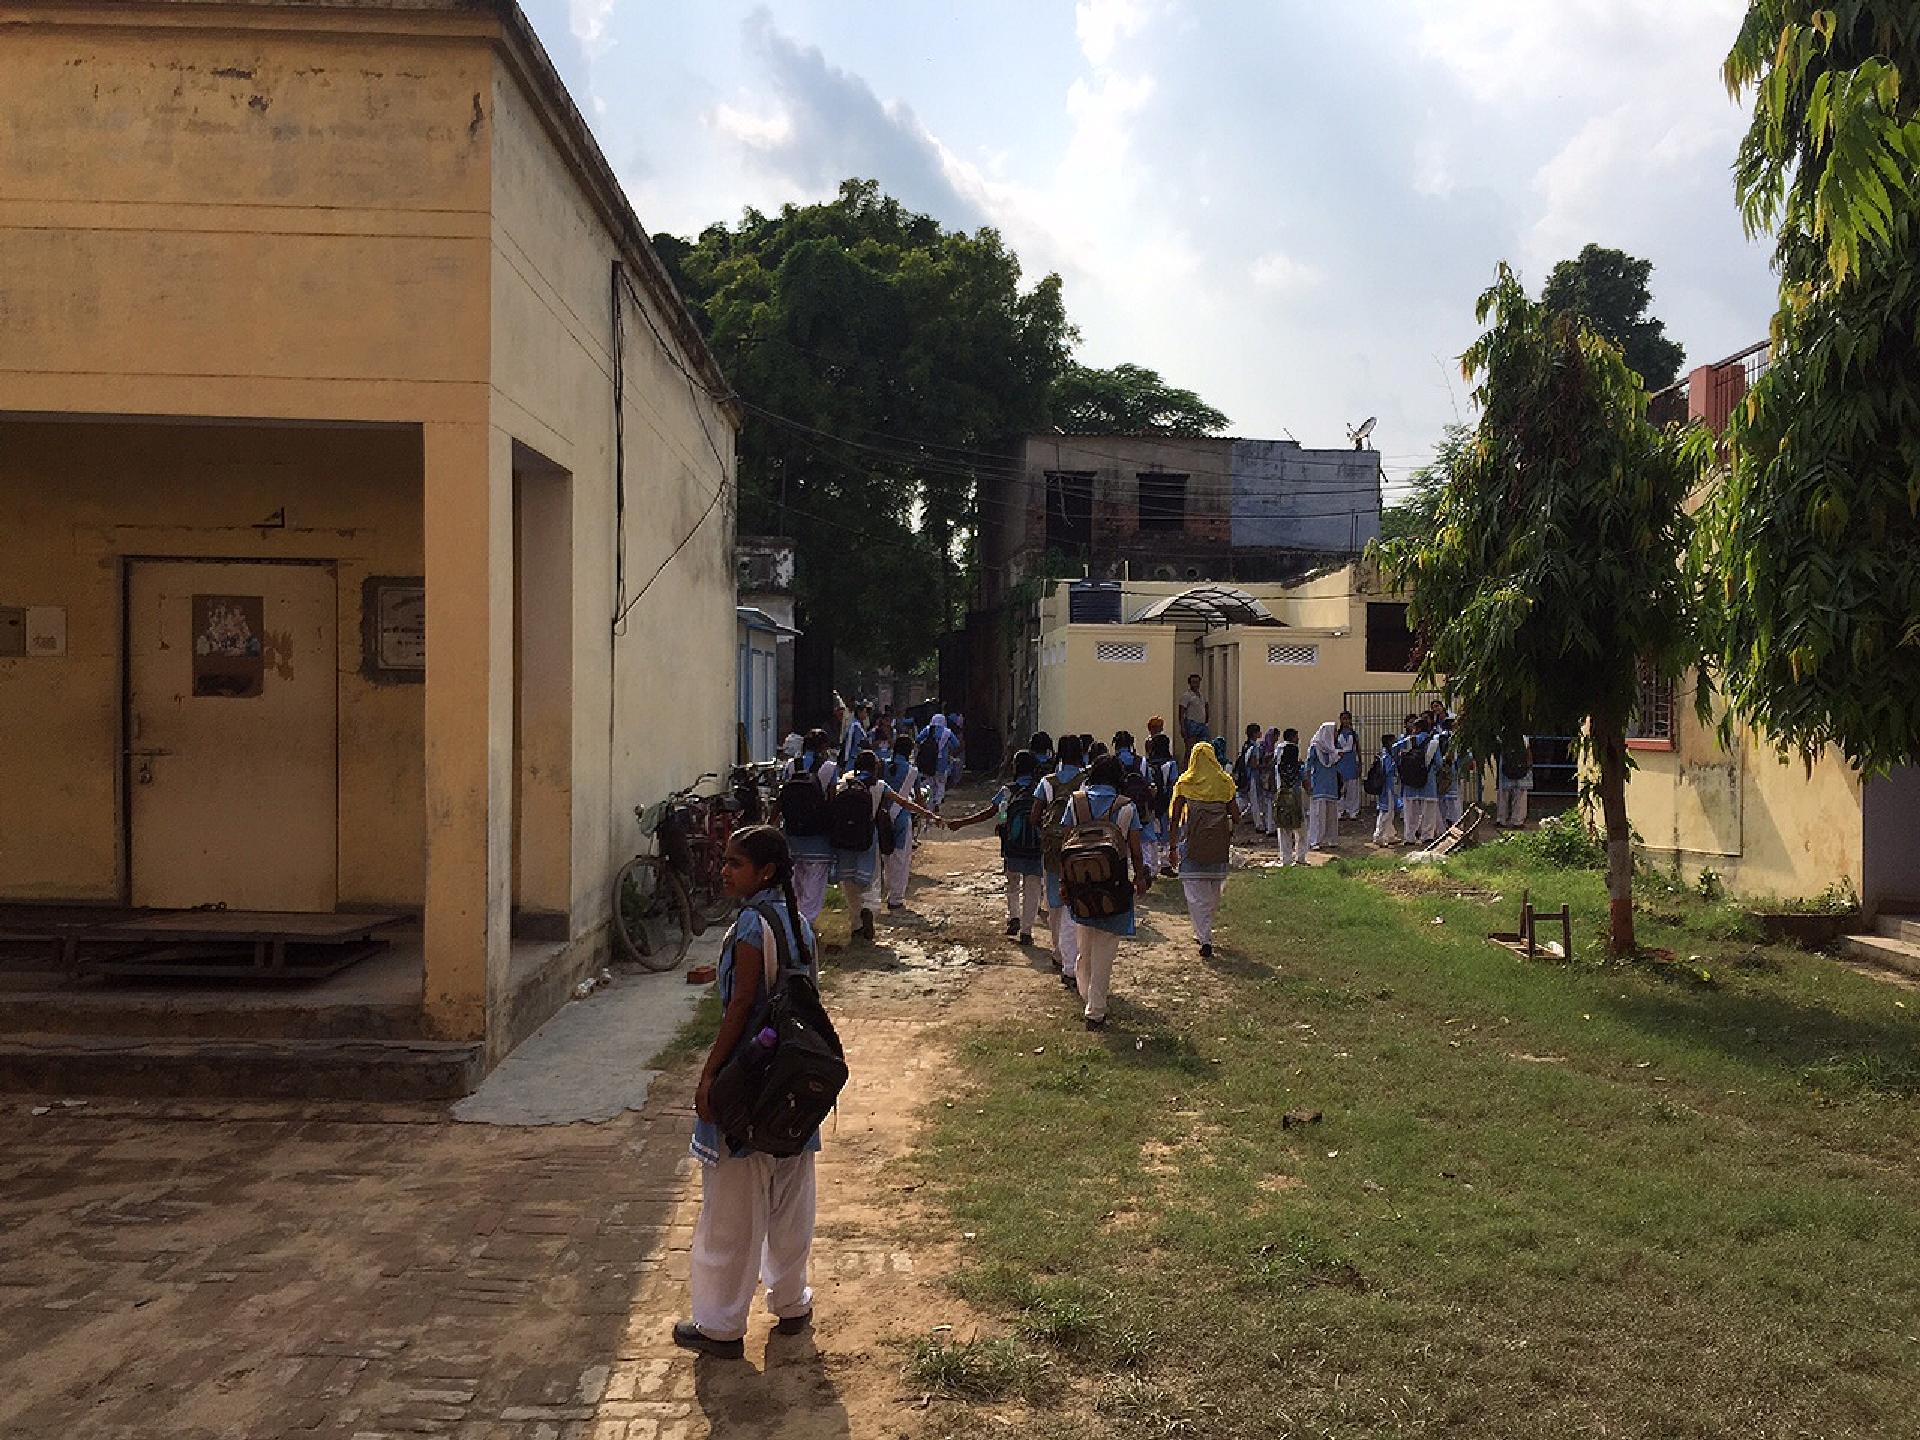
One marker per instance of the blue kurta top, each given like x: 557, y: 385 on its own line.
x: 709, y: 1145
x: 1347, y: 761
x: 1419, y: 792
x: 1322, y: 779
x: 1384, y: 800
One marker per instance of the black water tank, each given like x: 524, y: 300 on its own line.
x: 1094, y: 602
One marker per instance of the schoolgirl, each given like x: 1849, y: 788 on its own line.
x: 1243, y: 768
x: 1384, y: 802
x: 1422, y: 800
x: 1203, y: 816
x: 1160, y: 778
x: 1346, y: 745
x: 1260, y: 780
x: 934, y: 756
x: 1289, y: 799
x: 1100, y: 938
x: 1052, y: 788
x: 1126, y: 754
x: 1323, y: 780
x: 1012, y: 808
x: 812, y: 855
x: 756, y: 1211
x: 1514, y: 767
x: 896, y: 867
x: 853, y: 870
x: 1042, y: 747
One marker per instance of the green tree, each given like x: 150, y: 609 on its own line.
x: 1552, y: 572
x: 1128, y: 399
x: 1814, y: 538
x: 1608, y: 288
x: 1418, y: 512
x: 846, y: 326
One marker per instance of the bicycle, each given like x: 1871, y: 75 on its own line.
x: 661, y: 901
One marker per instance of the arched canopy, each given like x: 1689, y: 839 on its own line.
x: 1209, y: 605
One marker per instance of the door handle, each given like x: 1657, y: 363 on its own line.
x: 143, y: 772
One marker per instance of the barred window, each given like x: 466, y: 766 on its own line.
x: 1653, y: 717
x: 1125, y: 652
x: 1293, y: 654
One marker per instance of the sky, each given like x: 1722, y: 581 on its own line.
x: 1288, y: 207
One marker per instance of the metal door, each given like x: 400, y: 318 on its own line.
x: 232, y: 677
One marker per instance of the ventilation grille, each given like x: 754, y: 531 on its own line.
x: 1293, y: 654
x: 1121, y: 652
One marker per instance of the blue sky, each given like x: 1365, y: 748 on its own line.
x: 1289, y: 207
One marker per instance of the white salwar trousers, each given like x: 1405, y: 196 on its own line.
x: 894, y: 872
x: 1203, y: 902
x: 1293, y: 847
x: 1097, y: 951
x: 1323, y: 824
x: 1066, y: 936
x: 1350, y: 799
x: 755, y: 1227
x: 810, y: 886
x: 1023, y: 899
x: 1512, y: 807
x: 1383, y: 825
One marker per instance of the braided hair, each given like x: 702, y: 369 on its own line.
x: 766, y: 845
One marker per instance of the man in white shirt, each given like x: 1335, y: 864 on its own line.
x: 1193, y: 714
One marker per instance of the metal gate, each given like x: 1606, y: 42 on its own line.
x: 1384, y: 712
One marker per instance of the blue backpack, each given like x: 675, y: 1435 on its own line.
x: 1022, y: 837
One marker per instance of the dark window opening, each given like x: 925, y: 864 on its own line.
x: 1653, y: 711
x: 1070, y: 512
x: 1163, y: 501
x: 1390, y: 644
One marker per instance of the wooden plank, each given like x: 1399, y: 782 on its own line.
x: 245, y: 927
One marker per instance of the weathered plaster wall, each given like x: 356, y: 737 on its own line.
x: 78, y: 497
x: 654, y: 707
x: 1285, y: 495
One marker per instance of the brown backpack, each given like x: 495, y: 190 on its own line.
x: 1094, y: 861
x: 1209, y: 831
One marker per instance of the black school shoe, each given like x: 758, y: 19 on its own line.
x: 1026, y: 937
x: 689, y: 1336
x: 1206, y: 952
x: 1013, y: 926
x: 1096, y: 1022
x: 866, y: 931
x: 794, y: 1324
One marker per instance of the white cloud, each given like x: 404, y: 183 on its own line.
x: 757, y: 132
x: 1282, y: 273
x: 589, y: 21
x: 1102, y: 25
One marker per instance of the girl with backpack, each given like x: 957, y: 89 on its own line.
x: 1042, y: 747
x: 803, y: 817
x: 853, y: 815
x: 1515, y: 780
x: 1323, y: 780
x: 1203, y: 814
x: 1346, y: 747
x: 1417, y: 758
x: 1243, y: 768
x: 1012, y: 806
x: 1260, y: 792
x: 1289, y: 799
x: 1104, y: 832
x: 1050, y: 798
x: 933, y: 755
x: 1160, y: 778
x: 756, y: 1211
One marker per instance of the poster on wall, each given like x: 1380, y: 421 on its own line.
x: 403, y: 627
x: 227, y: 661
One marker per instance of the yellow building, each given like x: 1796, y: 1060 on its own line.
x: 1767, y: 825
x: 334, y: 580
x: 1114, y: 653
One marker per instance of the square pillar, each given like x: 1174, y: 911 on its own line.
x: 468, y: 494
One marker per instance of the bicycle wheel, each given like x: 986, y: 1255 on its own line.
x: 651, y: 913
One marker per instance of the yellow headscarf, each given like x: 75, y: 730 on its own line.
x: 1204, y: 780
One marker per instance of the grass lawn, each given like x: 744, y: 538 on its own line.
x: 1545, y: 1199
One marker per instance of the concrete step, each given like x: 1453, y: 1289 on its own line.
x: 282, y: 1015
x: 1884, y: 951
x: 283, y: 1069
x: 1899, y: 927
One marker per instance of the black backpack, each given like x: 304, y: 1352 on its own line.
x: 803, y: 804
x: 927, y: 757
x: 774, y: 1100
x: 1413, y: 765
x: 850, y: 816
x: 1240, y: 770
x: 1376, y: 780
x: 1157, y: 771
x: 1517, y: 764
x: 1139, y: 790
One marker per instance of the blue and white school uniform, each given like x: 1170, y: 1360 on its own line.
x: 901, y: 775
x: 1347, y: 750
x: 1023, y: 872
x: 1202, y: 885
x: 812, y: 854
x: 1066, y: 934
x: 756, y: 1211
x: 854, y: 869
x: 1100, y: 939
x: 1511, y: 801
x: 1154, y: 841
x: 1383, y: 803
x: 1420, y: 802
x: 1450, y: 799
x: 1323, y: 793
x: 852, y: 743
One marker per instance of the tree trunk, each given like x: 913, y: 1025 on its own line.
x: 1610, y: 746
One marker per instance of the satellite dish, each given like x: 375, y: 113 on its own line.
x: 1358, y: 433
